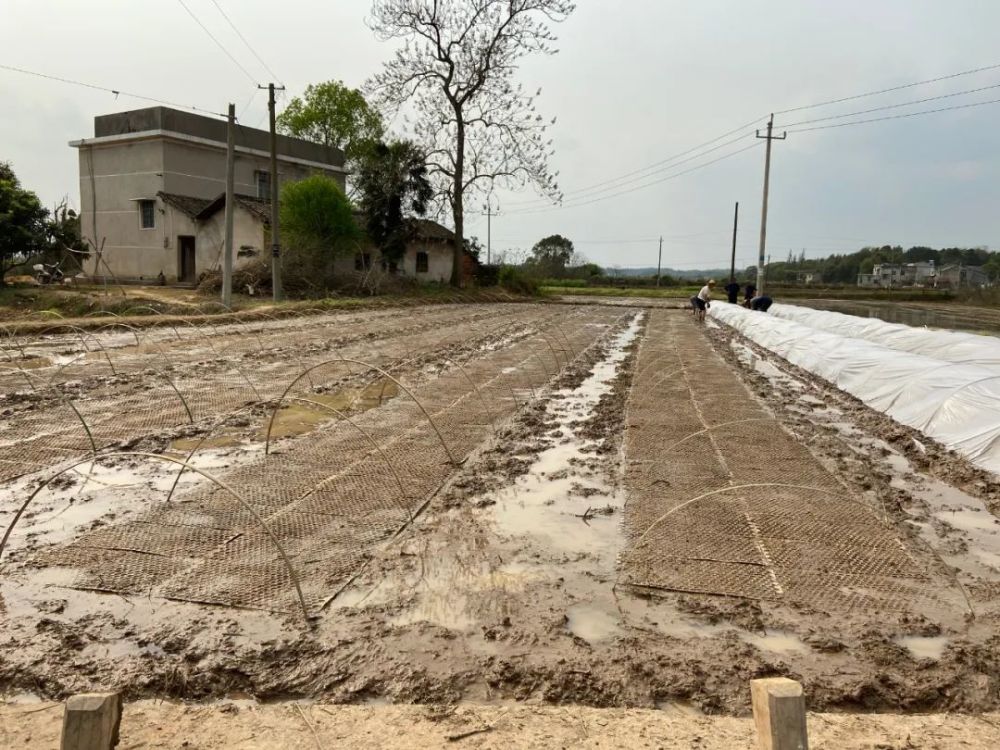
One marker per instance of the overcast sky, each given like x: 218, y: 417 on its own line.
x: 635, y: 82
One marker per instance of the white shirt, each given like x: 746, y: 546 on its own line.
x: 705, y: 294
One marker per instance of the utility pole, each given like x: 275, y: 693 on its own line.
x: 732, y: 260
x: 659, y: 259
x: 489, y: 232
x: 275, y: 233
x: 763, y: 211
x: 227, y: 248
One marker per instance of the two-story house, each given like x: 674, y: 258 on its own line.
x: 150, y: 185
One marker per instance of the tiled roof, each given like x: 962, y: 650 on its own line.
x: 257, y: 207
x: 425, y: 229
x: 186, y: 204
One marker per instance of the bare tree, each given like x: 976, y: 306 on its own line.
x: 456, y: 68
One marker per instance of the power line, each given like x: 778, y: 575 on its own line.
x: 256, y: 90
x: 888, y: 90
x: 895, y: 117
x: 116, y: 92
x: 610, y: 188
x: 611, y: 184
x: 891, y: 106
x: 244, y: 40
x: 217, y: 42
x: 637, y: 187
x: 652, y: 168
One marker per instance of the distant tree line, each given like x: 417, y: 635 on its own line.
x: 844, y: 269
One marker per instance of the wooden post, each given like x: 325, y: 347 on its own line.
x: 779, y: 713
x: 91, y: 721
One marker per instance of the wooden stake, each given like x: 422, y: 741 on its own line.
x: 779, y: 712
x: 91, y: 721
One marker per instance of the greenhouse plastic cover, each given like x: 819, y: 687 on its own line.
x: 944, y: 383
x: 950, y: 346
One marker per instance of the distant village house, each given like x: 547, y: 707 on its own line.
x: 889, y: 275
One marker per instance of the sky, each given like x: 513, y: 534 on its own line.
x: 634, y: 84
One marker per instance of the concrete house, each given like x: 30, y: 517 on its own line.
x: 922, y: 273
x: 428, y: 257
x: 960, y: 276
x: 150, y: 185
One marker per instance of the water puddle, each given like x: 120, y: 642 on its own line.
x: 592, y: 623
x: 943, y: 510
x: 563, y: 504
x: 951, y: 510
x: 777, y: 641
x: 297, y: 417
x: 111, y: 489
x: 924, y: 647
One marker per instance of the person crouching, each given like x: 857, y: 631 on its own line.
x: 703, y: 300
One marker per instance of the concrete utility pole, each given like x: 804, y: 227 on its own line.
x: 763, y: 211
x: 277, y: 295
x: 489, y: 232
x: 227, y: 249
x: 659, y: 259
x: 732, y: 260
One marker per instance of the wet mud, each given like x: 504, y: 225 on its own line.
x: 505, y: 588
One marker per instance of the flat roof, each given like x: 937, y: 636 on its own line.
x: 165, y: 119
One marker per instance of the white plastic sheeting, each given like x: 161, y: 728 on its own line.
x: 956, y: 403
x: 950, y: 346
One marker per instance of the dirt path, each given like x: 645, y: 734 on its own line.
x: 149, y: 724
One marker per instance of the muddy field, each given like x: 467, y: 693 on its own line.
x: 576, y: 503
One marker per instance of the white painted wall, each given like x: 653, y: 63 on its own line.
x: 119, y: 173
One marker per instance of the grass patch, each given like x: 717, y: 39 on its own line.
x: 35, y: 308
x: 669, y: 292
x: 777, y: 292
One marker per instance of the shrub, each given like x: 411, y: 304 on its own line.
x: 317, y: 225
x: 516, y: 280
x: 487, y: 275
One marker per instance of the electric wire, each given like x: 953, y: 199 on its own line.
x: 637, y: 187
x: 217, y: 42
x: 950, y: 76
x: 610, y: 184
x: 895, y: 117
x: 910, y: 103
x: 116, y: 92
x: 249, y: 46
x: 666, y: 164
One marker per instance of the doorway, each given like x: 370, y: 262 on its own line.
x: 185, y: 259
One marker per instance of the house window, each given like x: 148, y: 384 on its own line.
x: 263, y: 180
x: 362, y: 261
x: 422, y: 262
x: 147, y: 214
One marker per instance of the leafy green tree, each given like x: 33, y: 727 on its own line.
x: 334, y: 115
x: 551, y: 255
x: 318, y: 224
x: 391, y: 181
x: 992, y: 266
x: 23, y: 226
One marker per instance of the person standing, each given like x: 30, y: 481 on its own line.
x: 732, y: 291
x: 749, y: 292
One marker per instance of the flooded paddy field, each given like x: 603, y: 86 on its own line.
x: 483, y: 504
x: 985, y: 320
